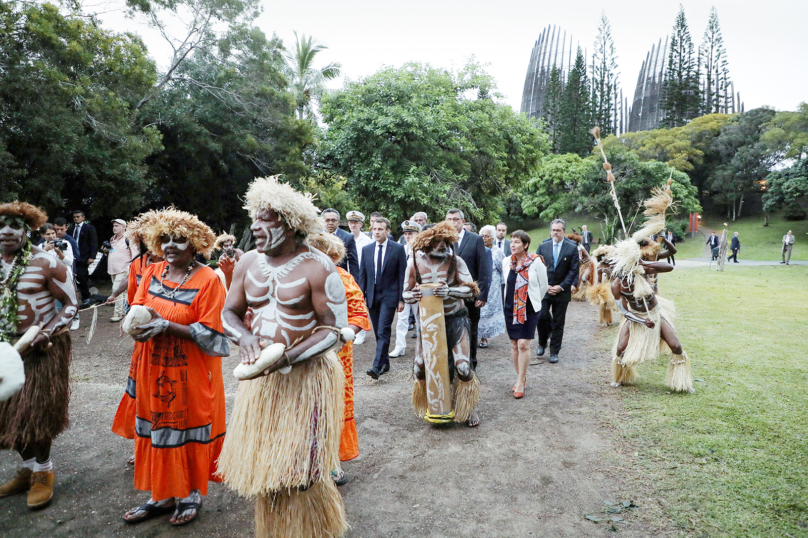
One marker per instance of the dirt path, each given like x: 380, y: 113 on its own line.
x: 534, y: 467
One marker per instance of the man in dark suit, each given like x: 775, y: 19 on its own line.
x: 351, y: 261
x: 561, y: 259
x: 85, y: 235
x: 471, y: 248
x: 502, y: 242
x: 714, y: 243
x: 381, y: 279
x: 735, y: 246
x: 586, y: 238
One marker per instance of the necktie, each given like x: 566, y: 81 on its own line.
x: 76, y: 232
x: 379, y: 252
x: 555, y: 254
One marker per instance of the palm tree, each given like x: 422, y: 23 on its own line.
x: 307, y: 82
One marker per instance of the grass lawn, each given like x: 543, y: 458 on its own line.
x: 732, y: 459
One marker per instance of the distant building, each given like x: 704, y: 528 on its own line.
x: 551, y: 49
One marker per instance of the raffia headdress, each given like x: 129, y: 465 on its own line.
x: 296, y: 209
x: 180, y: 224
x: 33, y: 216
x: 224, y: 238
x: 134, y: 228
x: 442, y: 231
x: 329, y: 244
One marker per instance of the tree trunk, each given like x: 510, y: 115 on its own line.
x: 722, y: 250
x: 766, y: 220
x: 740, y: 205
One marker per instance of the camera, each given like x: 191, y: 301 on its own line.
x: 106, y: 245
x: 61, y: 244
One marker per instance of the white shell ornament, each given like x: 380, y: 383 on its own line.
x: 269, y: 355
x: 138, y: 315
x: 12, y: 371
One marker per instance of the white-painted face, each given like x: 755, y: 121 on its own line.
x: 180, y: 243
x: 12, y: 233
x: 269, y: 231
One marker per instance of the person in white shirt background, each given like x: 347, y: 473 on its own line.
x: 356, y: 222
x: 411, y: 229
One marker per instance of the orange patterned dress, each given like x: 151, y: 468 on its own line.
x: 124, y: 422
x: 180, y: 406
x: 357, y: 315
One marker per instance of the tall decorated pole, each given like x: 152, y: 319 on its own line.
x: 609, y: 177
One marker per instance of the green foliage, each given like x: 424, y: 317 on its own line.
x: 604, y: 80
x: 422, y: 138
x: 713, y: 68
x: 305, y: 81
x: 788, y: 189
x: 554, y: 99
x: 746, y: 160
x: 226, y: 118
x: 787, y: 133
x: 551, y: 192
x: 68, y: 89
x: 331, y: 192
x: 680, y: 95
x: 576, y: 110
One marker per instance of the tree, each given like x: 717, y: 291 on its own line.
x: 713, y: 68
x: 305, y: 81
x: 225, y: 119
x: 634, y: 180
x: 787, y: 133
x: 551, y: 191
x: 604, y: 79
x: 746, y: 160
x: 576, y: 110
x: 422, y: 138
x: 67, y: 90
x: 554, y: 98
x: 680, y: 99
x: 788, y: 189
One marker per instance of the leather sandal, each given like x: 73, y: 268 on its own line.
x: 151, y: 511
x: 182, y: 507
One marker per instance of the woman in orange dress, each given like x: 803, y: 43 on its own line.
x: 179, y: 397
x: 358, y: 320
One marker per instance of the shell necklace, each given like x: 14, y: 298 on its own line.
x: 170, y: 294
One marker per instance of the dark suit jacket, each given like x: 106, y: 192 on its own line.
x: 472, y: 250
x: 587, y: 237
x: 88, y: 242
x: 350, y: 263
x: 714, y: 241
x: 565, y: 273
x: 736, y: 243
x: 394, y: 266
x: 506, y: 246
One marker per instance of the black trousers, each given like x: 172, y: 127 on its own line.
x: 82, y: 278
x: 551, y: 323
x: 672, y: 259
x: 381, y: 316
x: 733, y: 256
x: 474, y: 319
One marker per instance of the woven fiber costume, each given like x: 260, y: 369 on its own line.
x: 284, y: 434
x: 586, y: 269
x: 647, y: 327
x: 33, y: 280
x: 600, y: 294
x: 445, y: 388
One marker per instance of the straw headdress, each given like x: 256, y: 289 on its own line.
x: 603, y: 252
x: 33, y: 216
x: 225, y: 237
x: 442, y: 231
x: 296, y: 209
x: 329, y: 244
x: 179, y: 224
x: 572, y: 236
x: 134, y: 228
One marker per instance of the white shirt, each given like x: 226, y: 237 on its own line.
x: 361, y: 242
x: 460, y: 238
x: 68, y: 257
x: 788, y: 239
x: 376, y: 252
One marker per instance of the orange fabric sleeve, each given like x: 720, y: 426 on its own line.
x: 357, y: 309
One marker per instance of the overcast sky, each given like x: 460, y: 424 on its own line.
x: 765, y: 41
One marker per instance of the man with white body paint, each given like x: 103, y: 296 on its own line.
x: 283, y: 436
x: 439, y: 264
x: 32, y: 282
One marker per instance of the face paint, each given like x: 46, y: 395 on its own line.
x: 174, y: 242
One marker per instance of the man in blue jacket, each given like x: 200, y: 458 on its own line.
x: 381, y: 279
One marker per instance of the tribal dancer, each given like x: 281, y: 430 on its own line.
x: 586, y: 270
x: 647, y: 325
x: 124, y: 422
x: 284, y: 433
x: 32, y: 283
x: 358, y: 320
x: 600, y: 294
x: 439, y: 264
x: 227, y: 261
x: 178, y: 385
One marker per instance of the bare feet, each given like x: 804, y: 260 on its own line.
x: 131, y: 460
x: 474, y: 419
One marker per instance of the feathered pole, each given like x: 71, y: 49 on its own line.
x: 609, y: 177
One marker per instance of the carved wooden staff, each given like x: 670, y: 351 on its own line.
x: 609, y: 177
x: 436, y: 356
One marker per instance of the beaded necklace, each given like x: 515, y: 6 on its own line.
x: 170, y: 294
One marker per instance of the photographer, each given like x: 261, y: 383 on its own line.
x: 119, y: 255
x: 58, y: 248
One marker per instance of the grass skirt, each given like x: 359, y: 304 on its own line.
x: 314, y: 513
x: 600, y: 295
x: 38, y: 413
x: 284, y: 431
x: 465, y: 396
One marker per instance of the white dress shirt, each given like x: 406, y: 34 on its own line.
x: 361, y: 242
x: 376, y: 253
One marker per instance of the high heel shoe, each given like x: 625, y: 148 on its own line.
x: 519, y: 395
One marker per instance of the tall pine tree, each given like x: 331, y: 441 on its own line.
x: 713, y: 68
x: 680, y: 92
x: 604, y: 79
x: 576, y: 111
x: 553, y: 99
